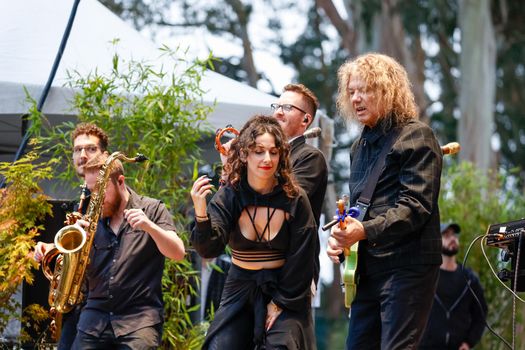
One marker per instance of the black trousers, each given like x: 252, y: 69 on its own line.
x: 69, y: 329
x: 147, y: 338
x: 240, y: 319
x: 391, y: 308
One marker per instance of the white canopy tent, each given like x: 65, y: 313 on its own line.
x: 30, y: 36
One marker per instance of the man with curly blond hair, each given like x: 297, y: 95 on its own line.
x: 399, y: 237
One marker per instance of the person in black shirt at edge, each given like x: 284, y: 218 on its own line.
x: 399, y: 238
x: 124, y: 307
x: 89, y: 141
x: 267, y: 221
x: 457, y: 320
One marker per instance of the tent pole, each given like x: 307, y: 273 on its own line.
x: 26, y: 124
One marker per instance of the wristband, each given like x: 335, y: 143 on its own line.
x: 200, y: 218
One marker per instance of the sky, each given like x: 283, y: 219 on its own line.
x: 199, y: 42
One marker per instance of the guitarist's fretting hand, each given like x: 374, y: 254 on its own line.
x: 340, y: 239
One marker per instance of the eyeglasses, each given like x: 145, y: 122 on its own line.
x: 90, y: 149
x: 286, y: 107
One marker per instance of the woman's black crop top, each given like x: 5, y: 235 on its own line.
x: 245, y: 249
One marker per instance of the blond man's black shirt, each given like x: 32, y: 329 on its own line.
x: 402, y: 223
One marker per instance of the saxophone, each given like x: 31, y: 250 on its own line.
x: 73, y: 245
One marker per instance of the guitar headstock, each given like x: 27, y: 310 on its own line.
x: 341, y: 211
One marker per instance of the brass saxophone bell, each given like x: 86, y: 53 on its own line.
x: 70, y: 239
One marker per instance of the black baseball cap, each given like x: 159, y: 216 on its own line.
x: 455, y: 227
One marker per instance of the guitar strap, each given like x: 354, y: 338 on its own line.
x: 363, y: 202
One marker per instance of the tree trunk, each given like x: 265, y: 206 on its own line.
x: 477, y: 82
x: 343, y: 27
x: 247, y: 59
x: 394, y: 43
x: 388, y: 37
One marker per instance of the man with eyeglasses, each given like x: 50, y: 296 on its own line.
x: 89, y: 141
x: 295, y: 111
x: 135, y: 233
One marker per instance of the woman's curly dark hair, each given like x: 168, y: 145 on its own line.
x: 236, y: 166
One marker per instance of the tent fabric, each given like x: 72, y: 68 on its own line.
x: 31, y: 32
x: 30, y: 36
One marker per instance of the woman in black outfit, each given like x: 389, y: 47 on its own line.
x: 266, y: 220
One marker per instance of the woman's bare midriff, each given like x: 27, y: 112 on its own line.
x: 258, y: 265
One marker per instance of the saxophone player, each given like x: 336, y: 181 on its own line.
x: 88, y: 141
x: 133, y: 237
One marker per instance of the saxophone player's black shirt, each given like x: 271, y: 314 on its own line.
x: 124, y: 274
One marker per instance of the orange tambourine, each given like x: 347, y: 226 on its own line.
x: 218, y: 135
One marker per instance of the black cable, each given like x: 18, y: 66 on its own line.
x: 47, y: 87
x: 516, y: 274
x: 475, y: 295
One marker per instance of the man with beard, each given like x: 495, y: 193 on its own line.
x: 124, y: 307
x: 457, y: 319
x: 88, y: 141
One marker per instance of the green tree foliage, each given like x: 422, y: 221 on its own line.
x: 159, y: 113
x: 475, y: 201
x: 431, y: 24
x: 22, y: 205
x: 509, y: 20
x: 437, y: 22
x: 315, y: 67
x: 228, y: 18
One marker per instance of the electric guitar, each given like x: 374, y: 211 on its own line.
x: 349, y: 275
x: 349, y: 256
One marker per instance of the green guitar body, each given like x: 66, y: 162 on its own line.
x: 349, y: 274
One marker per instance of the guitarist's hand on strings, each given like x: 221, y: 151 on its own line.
x: 340, y: 239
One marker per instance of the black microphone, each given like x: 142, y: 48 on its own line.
x: 313, y: 132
